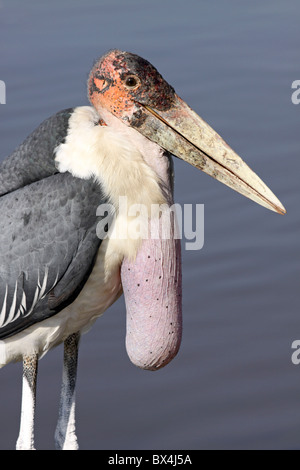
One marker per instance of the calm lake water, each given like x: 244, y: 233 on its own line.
x: 233, y: 384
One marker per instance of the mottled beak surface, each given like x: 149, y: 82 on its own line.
x: 186, y: 135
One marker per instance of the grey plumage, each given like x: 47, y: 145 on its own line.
x: 47, y: 230
x: 33, y: 160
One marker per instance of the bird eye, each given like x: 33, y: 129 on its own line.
x: 132, y: 81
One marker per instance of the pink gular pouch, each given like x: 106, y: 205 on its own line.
x: 153, y: 295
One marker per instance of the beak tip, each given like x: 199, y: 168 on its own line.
x: 278, y: 208
x: 282, y: 211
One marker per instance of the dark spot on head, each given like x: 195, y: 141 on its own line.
x: 138, y: 118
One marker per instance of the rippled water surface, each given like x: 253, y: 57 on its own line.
x: 233, y: 384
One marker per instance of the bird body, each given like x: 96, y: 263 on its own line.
x: 86, y: 214
x: 90, y: 184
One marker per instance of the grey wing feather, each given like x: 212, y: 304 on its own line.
x: 47, y: 230
x: 45, y: 248
x: 33, y: 160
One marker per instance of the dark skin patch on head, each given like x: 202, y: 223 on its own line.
x: 154, y: 90
x: 138, y: 118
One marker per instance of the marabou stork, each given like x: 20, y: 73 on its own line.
x: 57, y: 274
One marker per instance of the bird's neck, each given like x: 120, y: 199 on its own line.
x: 153, y: 155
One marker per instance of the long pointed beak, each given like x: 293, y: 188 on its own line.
x: 180, y: 131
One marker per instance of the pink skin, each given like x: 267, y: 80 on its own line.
x: 152, y: 290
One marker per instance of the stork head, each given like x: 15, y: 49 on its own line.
x: 131, y: 89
